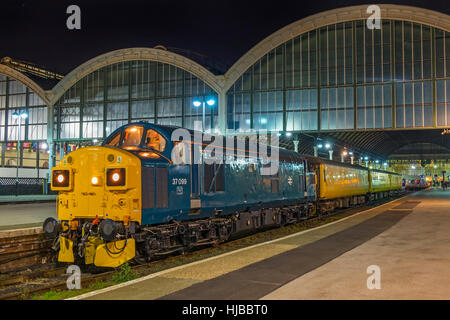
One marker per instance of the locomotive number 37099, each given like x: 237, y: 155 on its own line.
x: 179, y: 181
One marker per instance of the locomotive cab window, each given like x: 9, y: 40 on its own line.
x: 132, y: 136
x: 114, y: 140
x: 155, y: 140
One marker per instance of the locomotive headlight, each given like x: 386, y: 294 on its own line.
x: 115, y: 177
x: 60, y: 178
x: 96, y: 181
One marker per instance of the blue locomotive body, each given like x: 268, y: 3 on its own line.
x: 193, y: 191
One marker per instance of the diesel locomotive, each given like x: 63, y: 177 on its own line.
x: 128, y: 199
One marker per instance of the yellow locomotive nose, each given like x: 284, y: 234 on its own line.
x: 98, y: 182
x: 100, y: 188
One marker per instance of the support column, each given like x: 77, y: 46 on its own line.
x: 342, y: 158
x: 222, y: 121
x: 352, y: 159
x: 331, y: 154
x: 50, y: 145
x: 296, y: 142
x: 316, y: 151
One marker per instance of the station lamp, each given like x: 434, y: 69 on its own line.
x: 210, y: 101
x: 19, y: 116
x: 327, y: 146
x: 288, y: 134
x: 320, y: 146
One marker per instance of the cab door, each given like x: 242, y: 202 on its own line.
x: 195, y: 180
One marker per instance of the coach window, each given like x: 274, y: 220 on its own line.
x: 155, y: 141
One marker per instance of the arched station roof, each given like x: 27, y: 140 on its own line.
x: 133, y: 54
x: 389, y: 12
x: 16, y: 75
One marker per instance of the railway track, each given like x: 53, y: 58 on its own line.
x: 48, y: 276
x: 23, y: 249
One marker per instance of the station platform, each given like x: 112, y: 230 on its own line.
x: 27, y: 199
x: 407, y: 239
x: 22, y: 214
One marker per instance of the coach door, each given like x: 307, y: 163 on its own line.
x: 195, y: 180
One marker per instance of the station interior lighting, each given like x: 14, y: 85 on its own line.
x: 350, y: 153
x: 288, y: 134
x: 320, y: 146
x: 366, y: 158
x: 413, y: 167
x: 197, y: 103
x: 22, y: 115
x: 327, y: 146
x: 211, y: 102
x: 344, y: 153
x: 377, y: 161
x: 44, y: 146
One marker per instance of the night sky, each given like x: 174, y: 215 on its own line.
x: 223, y: 30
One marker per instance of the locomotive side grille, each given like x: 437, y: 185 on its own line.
x: 161, y: 188
x: 148, y: 187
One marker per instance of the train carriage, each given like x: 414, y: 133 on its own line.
x: 340, y: 185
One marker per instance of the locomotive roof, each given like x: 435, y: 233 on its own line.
x: 284, y: 154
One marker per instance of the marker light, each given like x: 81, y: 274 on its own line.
x: 95, y: 180
x: 116, y: 177
x: 60, y: 178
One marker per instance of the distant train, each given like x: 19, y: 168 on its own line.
x: 128, y: 200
